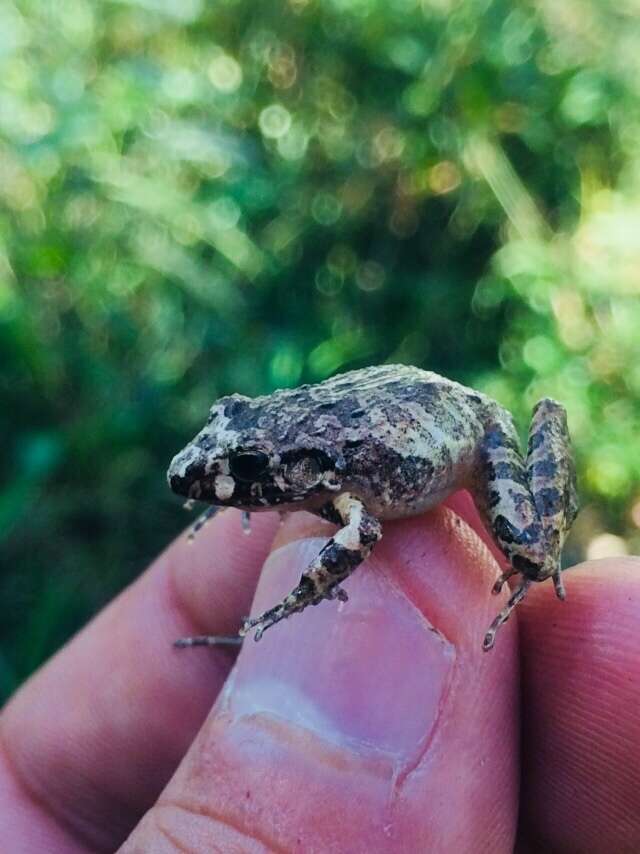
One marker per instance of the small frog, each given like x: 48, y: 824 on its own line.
x: 383, y: 443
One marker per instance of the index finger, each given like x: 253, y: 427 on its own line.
x: 120, y: 692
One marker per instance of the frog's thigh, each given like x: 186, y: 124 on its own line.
x: 551, y: 471
x: 503, y: 496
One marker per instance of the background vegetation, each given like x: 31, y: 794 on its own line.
x: 198, y: 198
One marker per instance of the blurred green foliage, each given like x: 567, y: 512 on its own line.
x: 198, y: 198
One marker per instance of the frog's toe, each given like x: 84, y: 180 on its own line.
x: 303, y: 595
x: 558, y: 584
x: 502, y: 580
x: 516, y: 597
x: 263, y: 622
x: 339, y: 593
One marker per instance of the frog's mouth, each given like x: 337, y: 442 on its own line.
x: 227, y: 491
x: 230, y: 492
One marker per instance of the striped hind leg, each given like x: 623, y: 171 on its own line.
x: 528, y: 504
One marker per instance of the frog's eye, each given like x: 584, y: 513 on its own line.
x: 249, y: 466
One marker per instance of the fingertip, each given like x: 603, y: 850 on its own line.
x: 581, y: 692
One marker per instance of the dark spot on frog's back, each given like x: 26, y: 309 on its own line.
x: 427, y: 394
x: 242, y: 414
x: 234, y: 407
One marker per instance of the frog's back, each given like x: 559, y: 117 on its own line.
x: 396, y: 392
x: 405, y: 399
x: 378, y: 380
x: 410, y: 437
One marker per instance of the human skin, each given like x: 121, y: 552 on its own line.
x: 379, y: 725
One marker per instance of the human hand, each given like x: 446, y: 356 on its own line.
x: 352, y: 729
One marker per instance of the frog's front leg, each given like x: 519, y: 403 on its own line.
x: 530, y: 504
x: 337, y: 559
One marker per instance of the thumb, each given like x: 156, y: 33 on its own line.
x: 378, y: 725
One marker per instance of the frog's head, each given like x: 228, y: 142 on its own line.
x: 241, y: 458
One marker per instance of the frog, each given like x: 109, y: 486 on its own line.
x: 380, y: 443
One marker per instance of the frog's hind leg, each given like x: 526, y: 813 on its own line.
x: 338, y: 558
x: 503, y: 496
x: 552, y: 477
x: 529, y: 504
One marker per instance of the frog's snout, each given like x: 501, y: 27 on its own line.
x: 186, y: 471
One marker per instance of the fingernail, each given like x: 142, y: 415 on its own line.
x: 370, y: 673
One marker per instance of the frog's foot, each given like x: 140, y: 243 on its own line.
x: 208, y: 640
x: 306, y: 593
x: 296, y: 601
x: 517, y: 596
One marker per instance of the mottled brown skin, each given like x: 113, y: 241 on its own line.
x: 382, y: 443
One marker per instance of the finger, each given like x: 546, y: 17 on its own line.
x: 581, y: 683
x: 376, y: 725
x: 110, y: 717
x: 462, y: 504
